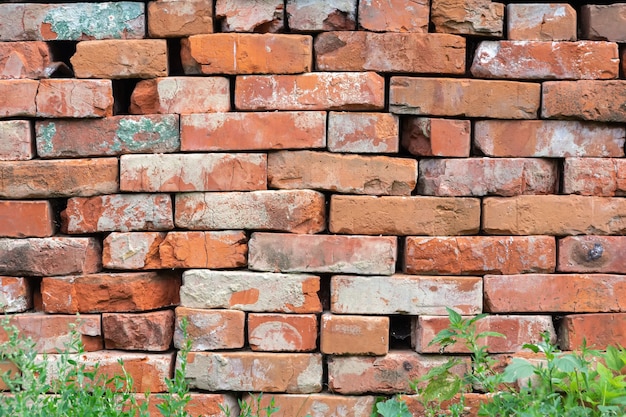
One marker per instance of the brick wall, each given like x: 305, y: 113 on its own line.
x: 310, y: 184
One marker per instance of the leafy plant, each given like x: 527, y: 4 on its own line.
x: 252, y: 408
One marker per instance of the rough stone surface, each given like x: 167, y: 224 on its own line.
x: 541, y: 22
x: 594, y: 176
x: 325, y: 404
x: 596, y: 331
x: 426, y: 136
x: 589, y: 254
x: 468, y: 17
x: 16, y: 140
x: 179, y: 18
x: 282, y: 332
x: 25, y: 60
x: 138, y: 331
x: 363, y: 132
x: 305, y: 15
x: 26, y: 219
x: 394, y: 15
x: 210, y: 329
x: 15, y: 295
x: 74, y: 98
x: 354, y: 335
x: 595, y: 100
x: 603, y: 22
x: 17, y: 98
x: 251, y: 15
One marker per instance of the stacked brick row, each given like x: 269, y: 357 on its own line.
x: 310, y: 184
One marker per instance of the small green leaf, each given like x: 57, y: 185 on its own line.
x: 567, y: 363
x: 518, y: 369
x: 531, y: 346
x: 455, y: 318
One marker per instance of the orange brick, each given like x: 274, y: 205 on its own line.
x: 282, y: 332
x: 26, y: 219
x: 138, y: 331
x: 320, y: 16
x: 312, y: 91
x: 243, y: 53
x: 74, y: 98
x: 468, y: 17
x: 290, y: 405
x: 425, y: 136
x: 541, y: 22
x: 588, y: 254
x: 210, y: 329
x: 176, y: 18
x: 25, y: 60
x: 15, y: 295
x: 594, y: 176
x: 394, y: 15
x: 251, y: 16
x: 200, y: 404
x: 363, y: 132
x: 595, y: 100
x: 596, y: 331
x: 16, y: 140
x: 252, y: 131
x: 354, y: 335
x: 17, y: 98
x: 471, y: 403
x: 603, y: 22
x: 7, y: 367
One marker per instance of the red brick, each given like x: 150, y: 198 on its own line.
x: 425, y: 136
x: 290, y: 405
x: 538, y: 293
x: 252, y: 131
x: 547, y: 138
x: 479, y: 255
x: 251, y: 15
x: 596, y: 331
x: 554, y: 215
x: 371, y: 215
x: 176, y: 18
x: 138, y: 331
x: 297, y: 211
x: 464, y: 97
x: 25, y: 60
x: 59, y: 178
x: 595, y: 100
x: 200, y: 404
x: 541, y: 22
x: 26, y: 219
x: 546, y: 60
x: 210, y: 329
x: 7, y: 367
x: 247, y: 53
x: 52, y: 333
x: 594, y: 176
x: 50, y: 256
x: 137, y: 58
x: 394, y: 15
x: 17, y: 98
x: 353, y: 174
x: 107, y: 137
x: 415, y: 295
x: 312, y: 91
x: 587, y: 254
x: 251, y: 291
x: 15, y: 295
x: 282, y: 332
x: 517, y: 331
x: 74, y: 98
x: 299, y: 373
x: 111, y: 293
x: 363, y: 132
x: 372, y: 255
x: 468, y: 17
x: 193, y: 172
x: 354, y: 335
x: 16, y: 140
x: 390, y: 52
x: 487, y: 176
x: 603, y: 22
x: 303, y: 15
x: 154, y: 250
x: 471, y: 403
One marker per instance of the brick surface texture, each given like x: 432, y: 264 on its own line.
x: 310, y: 184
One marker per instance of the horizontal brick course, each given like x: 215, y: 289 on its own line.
x: 587, y: 254
x: 210, y: 329
x: 282, y: 332
x: 26, y: 219
x: 596, y: 331
x: 594, y: 176
x: 138, y: 331
x: 595, y: 100
x: 354, y: 335
x: 24, y: 59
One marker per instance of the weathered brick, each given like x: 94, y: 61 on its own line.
x: 154, y: 250
x: 247, y: 53
x: 72, y: 21
x: 332, y: 405
x: 200, y: 404
x: 372, y: 215
x: 548, y: 138
x: 16, y: 140
x: 255, y: 371
x: 251, y: 15
x: 517, y: 331
x: 193, y: 172
x: 595, y: 100
x: 354, y: 335
x: 59, y: 178
x: 587, y: 254
x: 468, y: 17
x: 312, y: 91
x: 112, y: 293
x: 251, y: 291
x: 74, y: 98
x: 487, y: 176
x: 210, y: 329
x: 282, y: 332
x: 363, y: 132
x: 546, y: 60
x: 390, y: 52
x: 26, y: 219
x: 176, y: 18
x: 479, y: 255
x: 141, y: 58
x: 51, y: 333
x: 471, y: 403
x: 596, y: 331
x: 304, y: 15
x: 394, y: 15
x: 464, y: 97
x: 50, y: 256
x: 253, y: 131
x: 554, y: 215
x: 15, y: 295
x: 415, y: 295
x: 371, y: 255
x: 25, y: 60
x: 541, y: 22
x: 297, y: 211
x: 17, y: 97
x: 594, y: 176
x: 9, y: 368
x: 138, y: 331
x: 118, y: 212
x: 603, y: 22
x: 426, y: 136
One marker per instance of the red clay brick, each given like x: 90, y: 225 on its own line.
x: 596, y: 331
x: 253, y: 131
x: 595, y: 100
x: 251, y: 15
x: 541, y: 22
x: 282, y: 332
x: 479, y: 255
x: 138, y: 331
x: 16, y: 140
x: 594, y: 176
x: 394, y: 15
x: 420, y: 53
x: 110, y: 293
x: 7, y: 367
x: 363, y: 132
x: 321, y: 16
x: 426, y: 136
x: 354, y: 335
x: 26, y: 219
x: 603, y: 22
x: 312, y: 91
x: 15, y: 295
x: 587, y: 254
x: 200, y: 404
x: 372, y: 215
x: 175, y: 18
x: 290, y: 405
x: 468, y: 17
x: 210, y: 329
x: 25, y: 60
x: 17, y: 98
x: 74, y: 98
x: 471, y: 403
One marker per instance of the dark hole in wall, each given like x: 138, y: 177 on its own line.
x: 324, y: 292
x: 61, y: 52
x: 400, y: 332
x: 173, y: 56
x: 122, y: 91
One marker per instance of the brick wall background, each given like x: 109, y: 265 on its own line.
x: 310, y: 183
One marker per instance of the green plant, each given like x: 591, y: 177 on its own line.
x: 252, y: 408
x: 393, y: 407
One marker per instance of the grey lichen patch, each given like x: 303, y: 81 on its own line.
x: 148, y: 133
x: 45, y: 134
